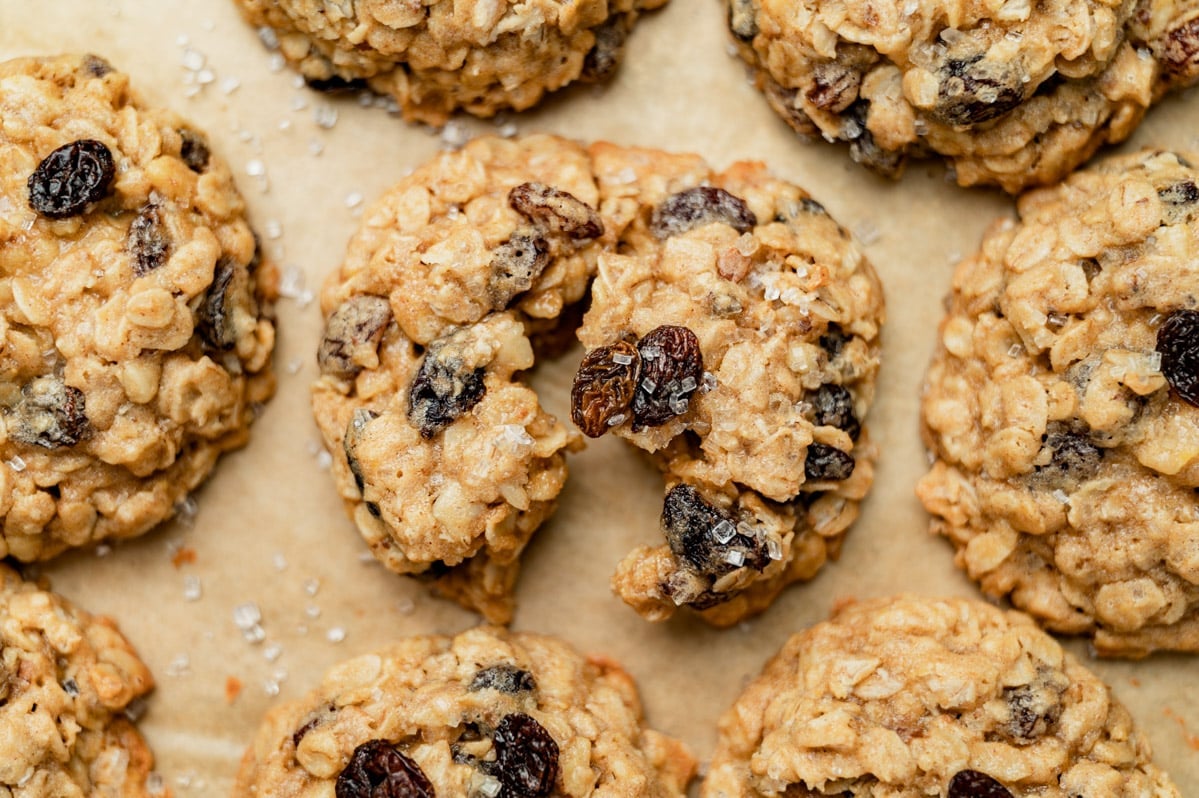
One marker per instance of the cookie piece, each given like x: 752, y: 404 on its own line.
x: 66, y: 680
x: 1060, y: 411
x: 484, y: 713
x: 1010, y: 94
x: 914, y: 696
x: 735, y: 337
x: 134, y: 314
x: 441, y: 56
x: 445, y: 461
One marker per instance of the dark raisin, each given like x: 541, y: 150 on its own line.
x: 826, y: 462
x: 71, y: 178
x: 707, y: 538
x: 148, y: 243
x: 833, y: 340
x: 864, y: 149
x: 834, y: 87
x: 1072, y: 456
x: 50, y: 414
x: 700, y: 206
x: 1033, y: 710
x: 556, y: 210
x: 352, y: 332
x: 672, y: 367
x: 1178, y: 343
x: 349, y: 444
x: 194, y: 150
x: 834, y: 407
x: 526, y: 757
x: 1183, y: 192
x: 96, y: 66
x: 445, y: 387
x: 335, y: 84
x: 214, y: 316
x: 503, y: 677
x: 604, y: 386
x: 378, y: 770
x: 515, y: 265
x: 743, y: 19
x: 972, y: 784
x: 1180, y: 49
x: 975, y: 90
x: 604, y: 55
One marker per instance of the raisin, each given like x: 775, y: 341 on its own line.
x: 194, y: 150
x: 1180, y: 50
x: 972, y: 784
x: 601, y: 60
x: 148, y: 242
x: 214, y: 316
x: 1073, y: 456
x: 833, y: 340
x: 1033, y: 710
x: 743, y: 19
x: 444, y: 389
x: 815, y: 208
x: 700, y: 206
x: 50, y: 414
x: 71, y: 178
x: 603, y: 387
x: 505, y: 678
x: 515, y: 265
x: 349, y: 444
x: 1178, y: 343
x: 863, y: 149
x: 556, y: 210
x: 834, y: 408
x: 96, y: 66
x: 826, y: 462
x: 975, y: 90
x: 378, y: 770
x: 352, y: 332
x: 526, y: 757
x: 336, y: 84
x: 707, y: 538
x: 834, y: 87
x: 1181, y: 193
x: 672, y: 367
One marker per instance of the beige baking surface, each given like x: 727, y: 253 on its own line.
x: 271, y: 502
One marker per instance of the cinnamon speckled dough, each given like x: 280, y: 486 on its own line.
x: 439, y: 702
x: 1065, y: 465
x: 893, y: 698
x: 66, y: 679
x: 134, y: 331
x: 787, y: 312
x: 438, y: 56
x: 1010, y: 93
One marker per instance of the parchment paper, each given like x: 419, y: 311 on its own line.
x: 270, y: 529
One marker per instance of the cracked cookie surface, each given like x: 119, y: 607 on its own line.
x: 66, y: 679
x: 1060, y: 411
x: 134, y: 312
x: 438, y: 56
x: 1009, y: 93
x: 912, y: 696
x: 484, y: 713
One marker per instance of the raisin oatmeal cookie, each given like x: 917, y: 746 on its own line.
x: 66, y: 679
x: 438, y: 56
x: 733, y: 333
x: 133, y: 309
x: 1012, y: 93
x: 735, y: 337
x: 909, y: 697
x: 484, y: 713
x: 1062, y: 407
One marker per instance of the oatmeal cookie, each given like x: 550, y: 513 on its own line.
x: 484, y: 713
x: 1009, y: 93
x: 438, y: 56
x: 66, y: 679
x: 1061, y: 407
x: 134, y: 311
x: 735, y: 337
x: 909, y: 697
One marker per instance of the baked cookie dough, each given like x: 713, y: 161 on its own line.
x: 909, y: 696
x: 438, y: 56
x: 486, y: 713
x: 66, y: 679
x: 135, y: 336
x: 1061, y: 407
x: 1011, y: 94
x: 733, y: 333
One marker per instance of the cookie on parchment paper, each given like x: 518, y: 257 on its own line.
x: 134, y: 309
x: 1062, y: 407
x: 910, y: 696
